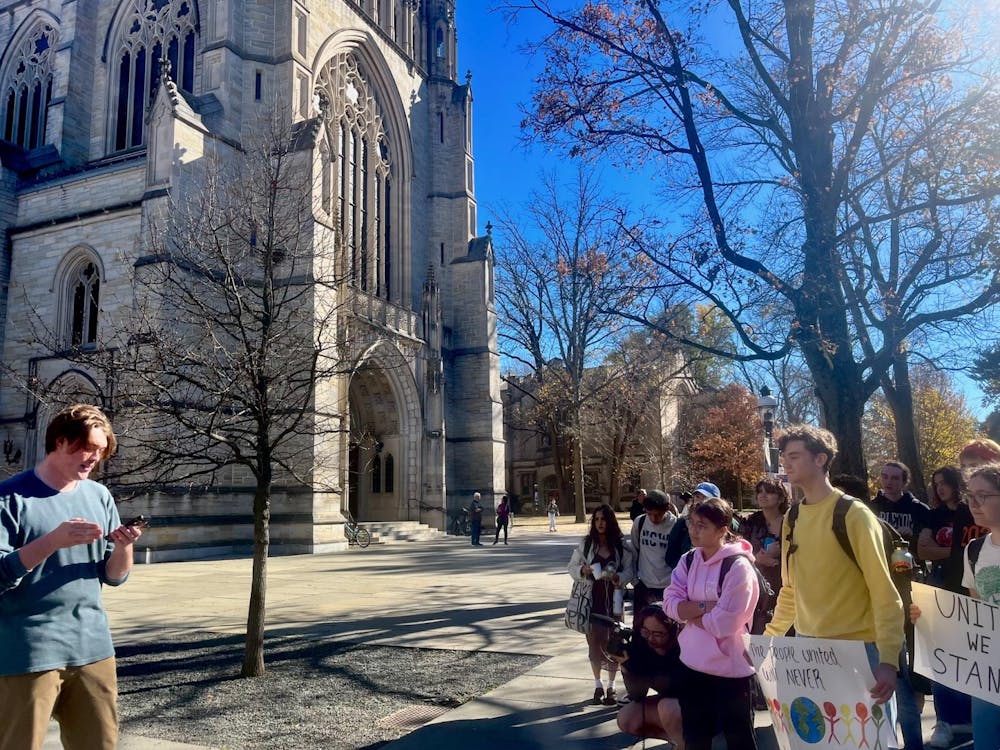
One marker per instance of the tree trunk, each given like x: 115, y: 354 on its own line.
x: 581, y: 505
x: 842, y: 402
x: 253, y: 653
x: 899, y: 395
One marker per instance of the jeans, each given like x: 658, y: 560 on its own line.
x: 906, y: 701
x: 501, y: 524
x: 985, y: 725
x: 950, y: 706
x: 476, y: 529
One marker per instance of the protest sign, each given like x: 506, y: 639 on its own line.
x: 958, y: 642
x: 818, y: 690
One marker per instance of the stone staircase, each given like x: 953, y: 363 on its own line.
x: 393, y: 532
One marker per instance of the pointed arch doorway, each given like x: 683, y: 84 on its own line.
x: 375, y: 487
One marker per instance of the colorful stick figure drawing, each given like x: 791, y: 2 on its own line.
x: 862, y: 711
x: 831, y: 716
x: 776, y: 718
x: 848, y: 717
x: 879, y: 721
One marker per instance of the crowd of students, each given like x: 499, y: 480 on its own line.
x: 698, y: 572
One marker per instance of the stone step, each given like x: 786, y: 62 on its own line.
x: 389, y: 532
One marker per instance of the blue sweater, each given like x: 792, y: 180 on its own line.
x: 52, y: 616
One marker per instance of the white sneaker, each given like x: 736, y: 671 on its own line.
x: 942, y: 736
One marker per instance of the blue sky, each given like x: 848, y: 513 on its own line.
x: 506, y: 169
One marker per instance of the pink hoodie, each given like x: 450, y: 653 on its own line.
x: 717, y: 647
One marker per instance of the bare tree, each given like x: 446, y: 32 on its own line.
x: 224, y: 366
x: 562, y: 275
x: 840, y: 167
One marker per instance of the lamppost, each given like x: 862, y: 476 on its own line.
x: 766, y: 407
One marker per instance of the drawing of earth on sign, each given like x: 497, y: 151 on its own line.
x: 807, y: 719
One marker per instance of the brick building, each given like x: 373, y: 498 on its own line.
x: 105, y: 101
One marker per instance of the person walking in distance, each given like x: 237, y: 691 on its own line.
x: 476, y: 519
x: 553, y: 511
x: 638, y: 504
x: 61, y: 539
x: 503, y: 519
x: 828, y: 593
x: 650, y: 534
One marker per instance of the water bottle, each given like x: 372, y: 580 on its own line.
x: 901, y: 560
x: 618, y: 605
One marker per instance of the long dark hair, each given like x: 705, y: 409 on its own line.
x: 613, y: 530
x: 774, y: 487
x: 719, y: 513
x: 952, y: 477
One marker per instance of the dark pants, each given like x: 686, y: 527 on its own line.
x: 501, y: 524
x: 710, y: 703
x: 476, y: 530
x: 641, y: 596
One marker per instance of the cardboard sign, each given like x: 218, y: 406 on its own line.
x: 958, y: 642
x: 818, y: 691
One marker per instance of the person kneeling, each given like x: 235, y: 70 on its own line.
x: 651, y: 662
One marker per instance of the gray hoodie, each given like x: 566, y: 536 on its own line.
x: 649, y: 540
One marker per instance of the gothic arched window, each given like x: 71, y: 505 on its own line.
x: 376, y: 476
x: 27, y: 88
x: 152, y: 31
x: 390, y: 474
x: 358, y: 139
x: 84, y: 297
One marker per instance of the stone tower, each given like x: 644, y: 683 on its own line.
x: 109, y: 106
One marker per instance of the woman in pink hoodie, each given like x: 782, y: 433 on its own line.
x: 713, y: 591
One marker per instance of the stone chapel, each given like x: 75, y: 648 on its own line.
x: 81, y: 169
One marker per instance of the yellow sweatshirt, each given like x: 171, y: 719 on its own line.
x: 825, y: 595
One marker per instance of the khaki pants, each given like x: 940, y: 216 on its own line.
x: 82, y: 699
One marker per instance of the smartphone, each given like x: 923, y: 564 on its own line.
x: 138, y: 522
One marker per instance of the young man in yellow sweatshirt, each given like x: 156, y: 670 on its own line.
x: 825, y: 594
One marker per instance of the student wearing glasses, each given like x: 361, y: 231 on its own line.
x: 650, y: 662
x: 713, y: 591
x: 982, y: 579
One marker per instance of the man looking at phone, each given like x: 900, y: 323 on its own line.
x: 60, y: 539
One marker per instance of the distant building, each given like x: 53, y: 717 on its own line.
x: 648, y: 457
x: 105, y: 104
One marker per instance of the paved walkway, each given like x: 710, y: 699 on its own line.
x: 440, y: 594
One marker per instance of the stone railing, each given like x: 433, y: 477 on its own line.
x: 383, y: 313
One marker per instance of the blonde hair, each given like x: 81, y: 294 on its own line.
x: 74, y: 423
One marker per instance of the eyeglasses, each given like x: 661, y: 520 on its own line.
x: 650, y: 634
x: 980, y: 498
x: 698, y: 525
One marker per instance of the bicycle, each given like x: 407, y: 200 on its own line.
x: 356, y: 534
x: 460, y: 524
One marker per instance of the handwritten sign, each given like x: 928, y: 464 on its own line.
x: 958, y: 642
x: 818, y: 691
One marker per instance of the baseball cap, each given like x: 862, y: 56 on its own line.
x: 708, y: 489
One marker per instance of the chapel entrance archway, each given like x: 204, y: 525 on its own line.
x: 377, y: 447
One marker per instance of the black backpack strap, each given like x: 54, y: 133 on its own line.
x: 840, y: 511
x: 975, y: 547
x: 687, y: 558
x: 792, y: 516
x: 725, y: 567
x: 641, y: 520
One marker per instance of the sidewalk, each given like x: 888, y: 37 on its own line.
x: 422, y: 594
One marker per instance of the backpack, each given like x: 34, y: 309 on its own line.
x: 764, y: 610
x: 975, y: 547
x: 890, y: 537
